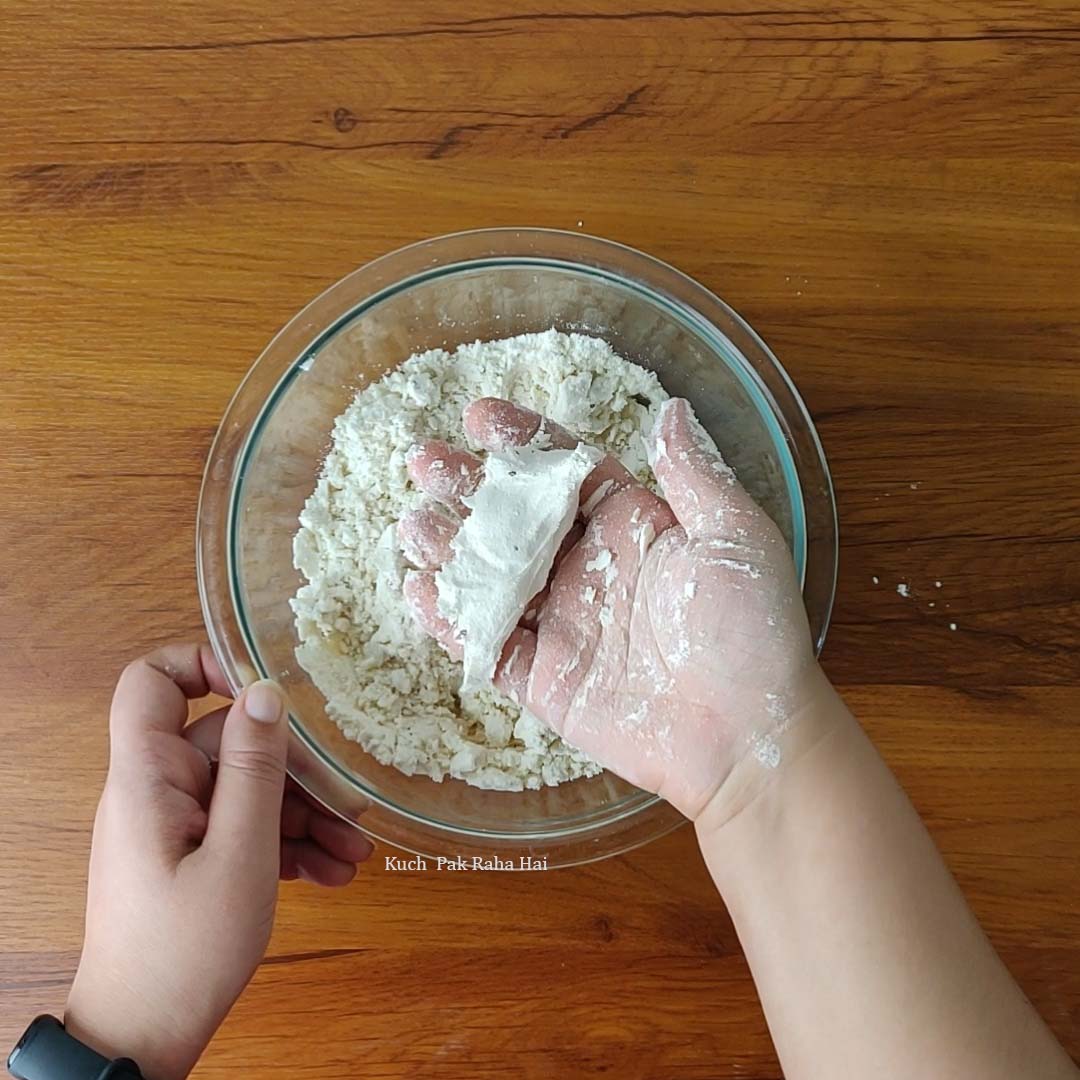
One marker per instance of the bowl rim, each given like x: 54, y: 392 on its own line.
x: 226, y: 448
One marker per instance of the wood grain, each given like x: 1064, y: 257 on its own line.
x: 889, y: 192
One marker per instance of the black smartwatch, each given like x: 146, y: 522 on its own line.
x: 47, y: 1052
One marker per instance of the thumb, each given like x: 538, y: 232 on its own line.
x: 698, y: 484
x: 245, y: 809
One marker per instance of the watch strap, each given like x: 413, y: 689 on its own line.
x: 47, y: 1052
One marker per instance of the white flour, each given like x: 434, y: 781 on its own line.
x: 387, y: 685
x: 504, y: 551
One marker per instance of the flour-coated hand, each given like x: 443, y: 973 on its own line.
x: 671, y: 642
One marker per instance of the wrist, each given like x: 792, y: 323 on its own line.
x: 771, y: 841
x: 819, y: 713
x: 117, y: 1026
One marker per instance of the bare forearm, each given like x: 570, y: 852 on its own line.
x: 867, y: 958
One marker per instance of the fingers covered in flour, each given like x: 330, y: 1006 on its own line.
x: 533, y: 610
x: 698, y: 484
x: 495, y: 424
x: 426, y: 536
x: 422, y: 595
x: 445, y: 473
x: 515, y: 665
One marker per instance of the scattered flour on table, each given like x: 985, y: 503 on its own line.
x: 387, y: 685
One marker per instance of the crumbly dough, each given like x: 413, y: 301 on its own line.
x: 387, y: 685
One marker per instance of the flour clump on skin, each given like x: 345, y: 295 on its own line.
x: 387, y: 685
x: 506, y: 547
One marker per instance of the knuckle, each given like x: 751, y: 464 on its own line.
x: 132, y: 666
x: 256, y: 763
x: 132, y: 670
x: 144, y: 757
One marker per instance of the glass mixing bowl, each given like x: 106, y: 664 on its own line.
x: 490, y: 283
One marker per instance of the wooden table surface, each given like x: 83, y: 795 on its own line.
x: 889, y: 192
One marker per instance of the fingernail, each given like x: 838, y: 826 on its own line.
x: 262, y: 702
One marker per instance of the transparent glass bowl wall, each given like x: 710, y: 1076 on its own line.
x: 438, y: 294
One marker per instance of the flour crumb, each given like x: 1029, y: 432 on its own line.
x: 767, y: 751
x: 952, y: 626
x: 601, y: 562
x: 644, y: 535
x: 875, y: 579
x: 387, y: 685
x: 738, y: 566
x: 903, y: 589
x: 937, y: 584
x: 594, y: 500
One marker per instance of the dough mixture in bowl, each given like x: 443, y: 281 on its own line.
x: 387, y: 685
